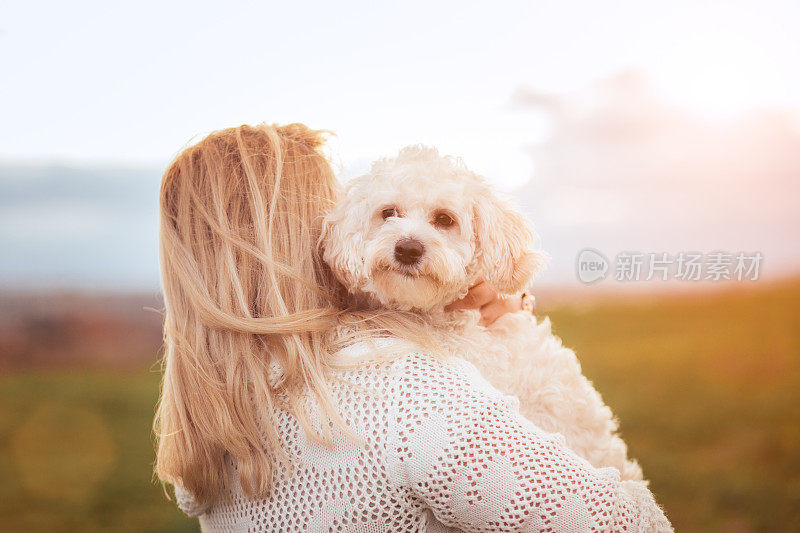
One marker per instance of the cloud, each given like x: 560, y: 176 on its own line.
x: 625, y: 169
x: 78, y: 225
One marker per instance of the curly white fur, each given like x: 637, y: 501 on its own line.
x: 404, y: 198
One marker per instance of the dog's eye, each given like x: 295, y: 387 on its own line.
x: 389, y: 212
x: 444, y: 220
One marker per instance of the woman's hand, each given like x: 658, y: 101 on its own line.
x: 491, y: 305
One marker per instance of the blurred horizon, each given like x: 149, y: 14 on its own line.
x: 618, y: 169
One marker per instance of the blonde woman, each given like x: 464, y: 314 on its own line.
x: 282, y: 412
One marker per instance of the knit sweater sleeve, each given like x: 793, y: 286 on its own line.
x: 187, y: 502
x: 461, y: 449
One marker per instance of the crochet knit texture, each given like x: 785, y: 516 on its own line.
x: 443, y: 451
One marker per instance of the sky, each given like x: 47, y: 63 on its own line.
x: 97, y: 97
x: 135, y: 82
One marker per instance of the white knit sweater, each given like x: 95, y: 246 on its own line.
x: 444, y: 451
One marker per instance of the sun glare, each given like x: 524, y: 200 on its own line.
x: 721, y: 74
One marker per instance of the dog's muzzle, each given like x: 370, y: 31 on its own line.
x: 408, y: 251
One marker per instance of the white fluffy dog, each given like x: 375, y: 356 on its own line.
x: 414, y: 234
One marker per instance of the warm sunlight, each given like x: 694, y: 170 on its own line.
x: 615, y: 303
x: 720, y: 73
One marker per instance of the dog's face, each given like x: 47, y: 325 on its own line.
x: 417, y: 230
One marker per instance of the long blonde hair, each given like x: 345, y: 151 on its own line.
x: 244, y: 285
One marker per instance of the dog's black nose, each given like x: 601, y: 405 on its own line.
x: 408, y: 251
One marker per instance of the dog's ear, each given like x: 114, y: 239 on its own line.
x: 504, y: 241
x: 342, y: 241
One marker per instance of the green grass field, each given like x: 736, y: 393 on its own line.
x: 707, y: 388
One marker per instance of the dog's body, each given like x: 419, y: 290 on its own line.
x: 523, y: 358
x: 414, y: 234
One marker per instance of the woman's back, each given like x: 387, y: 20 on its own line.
x: 441, y: 449
x: 245, y: 286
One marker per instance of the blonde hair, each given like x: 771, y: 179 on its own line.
x: 245, y: 286
x: 241, y: 213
